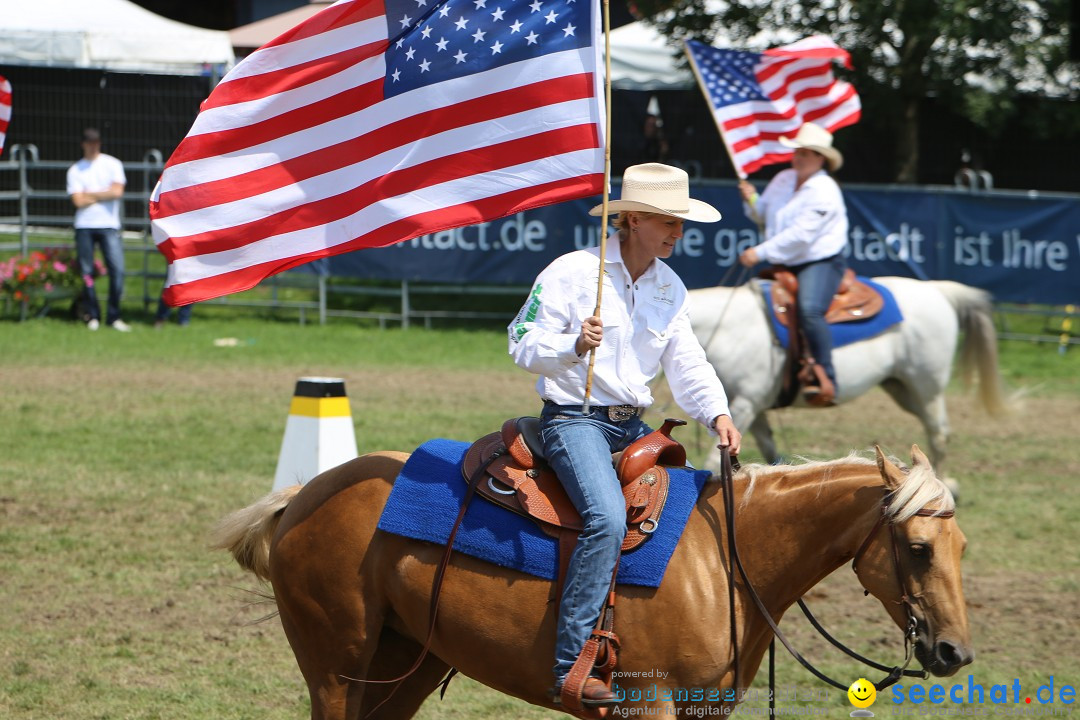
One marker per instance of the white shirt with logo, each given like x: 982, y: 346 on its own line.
x: 801, y: 225
x: 646, y: 328
x: 96, y: 175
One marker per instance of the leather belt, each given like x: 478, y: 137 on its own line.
x: 615, y: 413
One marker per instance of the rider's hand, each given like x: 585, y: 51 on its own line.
x: 748, y: 192
x: 749, y: 257
x: 726, y: 434
x: 592, y: 332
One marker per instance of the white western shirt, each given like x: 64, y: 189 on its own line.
x: 801, y: 225
x: 646, y: 328
x: 96, y: 175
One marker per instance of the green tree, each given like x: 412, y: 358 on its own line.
x: 975, y: 56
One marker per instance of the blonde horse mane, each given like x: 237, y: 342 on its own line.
x: 921, y: 487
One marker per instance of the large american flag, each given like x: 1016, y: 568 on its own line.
x: 758, y: 97
x: 5, y: 109
x: 375, y: 122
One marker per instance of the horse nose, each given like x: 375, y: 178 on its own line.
x: 951, y: 657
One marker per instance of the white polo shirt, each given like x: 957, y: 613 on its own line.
x: 96, y: 175
x: 646, y: 328
x: 801, y: 225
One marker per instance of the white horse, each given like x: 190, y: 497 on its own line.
x: 912, y: 361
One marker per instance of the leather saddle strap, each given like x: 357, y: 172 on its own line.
x: 440, y: 572
x: 603, y: 639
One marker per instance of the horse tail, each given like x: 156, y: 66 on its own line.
x: 974, y: 310
x: 247, y: 533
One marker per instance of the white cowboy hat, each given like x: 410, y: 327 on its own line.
x: 656, y: 188
x: 816, y: 138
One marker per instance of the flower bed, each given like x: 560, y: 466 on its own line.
x: 44, y: 275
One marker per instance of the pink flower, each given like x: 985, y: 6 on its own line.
x: 59, y: 267
x: 48, y: 287
x: 88, y: 280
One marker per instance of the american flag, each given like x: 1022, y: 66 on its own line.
x: 758, y: 97
x: 375, y: 122
x: 5, y: 109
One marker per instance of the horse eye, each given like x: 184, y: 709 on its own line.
x: 920, y: 550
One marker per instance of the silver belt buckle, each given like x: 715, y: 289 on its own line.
x: 620, y: 413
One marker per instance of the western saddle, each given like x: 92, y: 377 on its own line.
x: 508, y: 468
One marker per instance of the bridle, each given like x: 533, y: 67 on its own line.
x: 734, y: 561
x: 905, y: 597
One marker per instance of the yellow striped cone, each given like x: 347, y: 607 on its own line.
x: 319, y: 433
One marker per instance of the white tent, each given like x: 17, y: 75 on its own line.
x: 642, y: 60
x: 110, y: 35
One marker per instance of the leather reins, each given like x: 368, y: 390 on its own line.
x: 896, y: 672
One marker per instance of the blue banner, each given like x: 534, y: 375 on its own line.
x: 1022, y: 249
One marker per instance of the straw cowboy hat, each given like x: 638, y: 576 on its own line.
x: 656, y: 188
x: 816, y: 138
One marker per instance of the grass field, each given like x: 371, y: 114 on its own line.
x: 118, y: 452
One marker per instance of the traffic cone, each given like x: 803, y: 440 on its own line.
x: 319, y: 433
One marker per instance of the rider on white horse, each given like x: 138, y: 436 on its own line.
x: 806, y: 230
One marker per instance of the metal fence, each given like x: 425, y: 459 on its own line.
x: 33, y: 196
x: 38, y: 199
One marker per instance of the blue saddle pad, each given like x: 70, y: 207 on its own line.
x: 427, y: 497
x: 845, y: 333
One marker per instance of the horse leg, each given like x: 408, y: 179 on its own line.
x: 763, y: 435
x: 930, y: 409
x: 329, y: 655
x: 395, y: 655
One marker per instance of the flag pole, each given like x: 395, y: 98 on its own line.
x: 719, y: 127
x: 607, y: 185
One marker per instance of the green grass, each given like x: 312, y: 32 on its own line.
x: 119, y: 451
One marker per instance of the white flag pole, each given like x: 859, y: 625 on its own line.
x: 607, y: 184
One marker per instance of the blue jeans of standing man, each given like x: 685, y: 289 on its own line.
x: 578, y: 447
x: 818, y: 282
x: 113, y: 251
x: 183, y: 313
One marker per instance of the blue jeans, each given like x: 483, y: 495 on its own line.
x: 113, y: 251
x: 183, y: 313
x: 818, y: 282
x: 578, y: 447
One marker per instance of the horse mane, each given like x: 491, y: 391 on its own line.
x: 920, y: 488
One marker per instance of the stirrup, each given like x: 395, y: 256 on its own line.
x: 815, y: 396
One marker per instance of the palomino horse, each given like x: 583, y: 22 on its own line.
x: 354, y: 600
x: 912, y: 361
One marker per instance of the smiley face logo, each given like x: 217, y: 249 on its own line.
x: 862, y: 693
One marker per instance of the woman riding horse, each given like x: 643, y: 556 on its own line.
x: 806, y: 230
x: 647, y: 327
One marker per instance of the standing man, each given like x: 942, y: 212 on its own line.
x: 96, y: 184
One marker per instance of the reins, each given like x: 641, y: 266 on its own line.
x: 734, y: 560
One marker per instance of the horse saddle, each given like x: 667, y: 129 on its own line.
x: 854, y: 299
x: 521, y: 481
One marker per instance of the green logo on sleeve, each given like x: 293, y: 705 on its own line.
x: 530, y: 312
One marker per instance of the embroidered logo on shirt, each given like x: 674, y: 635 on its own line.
x: 662, y: 295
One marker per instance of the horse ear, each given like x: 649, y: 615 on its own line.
x: 890, y: 474
x: 917, y: 457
